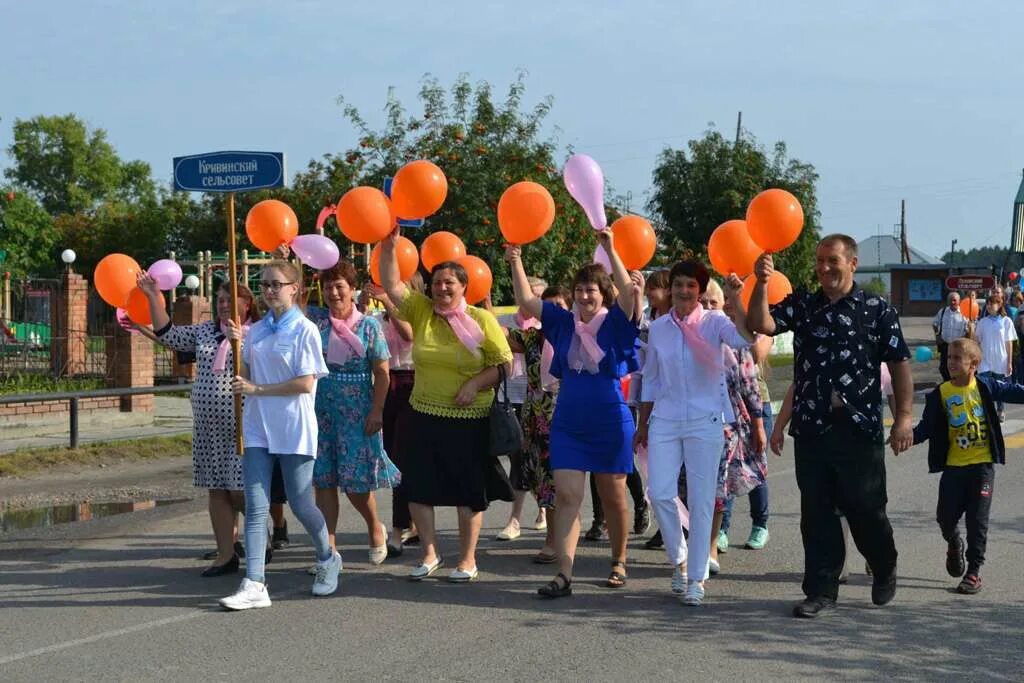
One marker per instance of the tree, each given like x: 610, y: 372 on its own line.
x: 697, y: 190
x: 877, y: 287
x: 26, y: 234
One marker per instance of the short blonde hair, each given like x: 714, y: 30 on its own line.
x: 714, y: 291
x: 968, y: 347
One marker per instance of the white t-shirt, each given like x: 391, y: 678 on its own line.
x: 283, y: 424
x: 517, y: 383
x: 993, y: 332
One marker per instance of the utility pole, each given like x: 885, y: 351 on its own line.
x: 739, y: 127
x: 952, y: 252
x: 904, y: 249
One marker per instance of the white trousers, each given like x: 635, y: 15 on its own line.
x: 697, y: 444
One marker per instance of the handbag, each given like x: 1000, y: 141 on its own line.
x: 506, y: 432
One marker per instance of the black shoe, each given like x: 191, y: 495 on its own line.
x: 812, y: 607
x: 970, y: 585
x: 239, y: 549
x: 882, y: 592
x: 212, y: 555
x: 268, y: 556
x: 641, y: 520
x: 956, y: 563
x: 394, y: 551
x: 279, y: 541
x: 556, y: 588
x: 229, y: 567
x: 597, y: 532
x: 655, y: 541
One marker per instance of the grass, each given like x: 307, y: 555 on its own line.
x: 780, y: 359
x: 32, y: 460
x: 32, y: 384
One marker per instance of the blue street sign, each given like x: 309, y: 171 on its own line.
x: 402, y: 223
x: 229, y: 171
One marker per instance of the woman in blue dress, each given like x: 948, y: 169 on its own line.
x: 350, y: 409
x: 592, y: 429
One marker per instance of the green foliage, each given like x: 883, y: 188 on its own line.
x: 877, y: 287
x: 698, y: 189
x: 26, y: 233
x: 986, y: 257
x: 35, y: 384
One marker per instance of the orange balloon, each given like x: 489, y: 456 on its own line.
x: 418, y: 190
x: 271, y: 223
x: 115, y: 278
x: 365, y: 215
x: 969, y: 308
x: 439, y: 247
x: 479, y: 279
x: 138, y: 307
x: 731, y: 250
x: 525, y: 212
x: 635, y: 241
x: 778, y: 288
x: 774, y: 219
x: 408, y: 260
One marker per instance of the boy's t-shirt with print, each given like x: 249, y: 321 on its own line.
x: 968, y: 428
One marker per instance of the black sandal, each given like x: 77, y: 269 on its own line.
x: 617, y: 579
x: 553, y: 590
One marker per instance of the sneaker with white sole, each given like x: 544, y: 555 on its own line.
x: 250, y: 595
x: 424, y: 570
x: 713, y: 567
x: 758, y: 538
x: 510, y: 533
x: 694, y: 594
x: 326, y: 581
x: 679, y: 580
x: 463, y: 575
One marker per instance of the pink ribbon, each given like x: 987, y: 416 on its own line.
x: 325, y: 213
x: 465, y: 328
x: 220, y: 359
x: 642, y: 463
x: 524, y: 322
x: 704, y: 352
x: 584, y: 351
x: 342, y: 341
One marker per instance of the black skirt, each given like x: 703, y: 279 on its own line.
x: 448, y: 463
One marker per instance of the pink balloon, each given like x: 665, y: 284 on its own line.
x: 585, y: 182
x: 166, y: 272
x: 601, y: 259
x: 125, y: 323
x: 316, y: 251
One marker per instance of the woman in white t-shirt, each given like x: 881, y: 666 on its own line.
x: 281, y: 362
x: 996, y: 334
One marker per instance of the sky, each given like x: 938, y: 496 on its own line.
x: 888, y: 100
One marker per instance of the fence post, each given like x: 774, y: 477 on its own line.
x: 200, y: 268
x: 73, y: 418
x: 130, y: 364
x: 69, y: 326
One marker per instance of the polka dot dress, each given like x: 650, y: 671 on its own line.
x: 215, y: 462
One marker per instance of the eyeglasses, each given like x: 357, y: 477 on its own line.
x: 273, y: 286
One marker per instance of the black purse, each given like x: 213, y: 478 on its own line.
x: 506, y: 432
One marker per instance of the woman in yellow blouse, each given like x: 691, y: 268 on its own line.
x: 457, y: 349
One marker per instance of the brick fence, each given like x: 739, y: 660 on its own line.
x: 11, y: 412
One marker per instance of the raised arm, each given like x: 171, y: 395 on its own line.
x: 733, y: 287
x: 389, y: 274
x: 759, y: 319
x: 620, y: 276
x: 527, y: 301
x: 152, y: 291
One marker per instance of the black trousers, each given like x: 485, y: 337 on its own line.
x: 943, y: 356
x: 967, y: 491
x: 397, y: 417
x: 634, y: 483
x: 842, y: 470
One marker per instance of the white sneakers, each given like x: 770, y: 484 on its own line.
x: 679, y: 579
x: 326, y: 581
x: 463, y: 575
x: 424, y: 570
x: 694, y: 594
x: 250, y: 595
x: 511, y: 531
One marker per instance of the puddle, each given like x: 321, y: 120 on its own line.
x: 40, y: 518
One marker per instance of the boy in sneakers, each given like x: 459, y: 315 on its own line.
x: 961, y: 424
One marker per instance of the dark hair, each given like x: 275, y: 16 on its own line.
x: 460, y: 273
x: 243, y: 293
x: 659, y: 279
x: 691, y: 268
x: 595, y: 274
x: 557, y: 291
x: 342, y: 270
x: 849, y: 244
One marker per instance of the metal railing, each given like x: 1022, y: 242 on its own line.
x: 72, y: 398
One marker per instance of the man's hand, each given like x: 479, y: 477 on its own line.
x: 901, y: 438
x: 778, y: 440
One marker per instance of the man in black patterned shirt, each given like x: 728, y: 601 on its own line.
x: 841, y: 335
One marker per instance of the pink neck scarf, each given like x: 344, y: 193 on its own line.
x: 584, y: 351
x: 342, y: 342
x: 707, y: 355
x: 465, y: 328
x: 524, y: 322
x: 220, y: 359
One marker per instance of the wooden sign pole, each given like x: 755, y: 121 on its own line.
x: 236, y: 345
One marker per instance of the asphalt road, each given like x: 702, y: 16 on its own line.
x: 121, y: 599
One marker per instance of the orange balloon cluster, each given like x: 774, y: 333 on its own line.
x: 365, y: 215
x: 480, y: 279
x: 271, y: 223
x: 635, y: 241
x: 418, y: 190
x: 778, y: 288
x: 731, y: 250
x: 526, y: 211
x: 138, y: 307
x: 774, y: 219
x: 440, y: 247
x: 970, y: 309
x: 408, y: 260
x: 115, y: 278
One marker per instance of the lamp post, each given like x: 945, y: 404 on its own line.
x: 68, y: 256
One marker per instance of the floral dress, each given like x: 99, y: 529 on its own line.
x: 742, y: 468
x: 538, y: 409
x: 346, y: 457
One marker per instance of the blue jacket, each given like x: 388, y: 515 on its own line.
x: 934, y: 424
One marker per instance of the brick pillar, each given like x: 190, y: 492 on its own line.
x: 69, y: 331
x: 130, y: 364
x: 188, y: 310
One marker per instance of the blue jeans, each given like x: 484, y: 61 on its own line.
x: 297, y: 472
x: 995, y: 375
x: 758, y: 497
